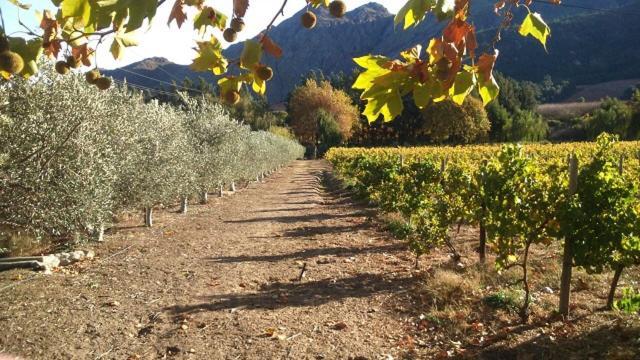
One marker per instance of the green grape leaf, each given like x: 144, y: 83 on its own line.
x: 413, y: 12
x: 388, y: 104
x: 229, y: 83
x: 382, y: 87
x: 462, y: 86
x: 251, y: 54
x: 78, y: 9
x: 30, y: 51
x: 375, y: 66
x: 488, y: 90
x: 425, y: 93
x: 534, y: 25
x: 139, y: 10
x: 487, y: 85
x: 210, y: 57
x: 209, y: 16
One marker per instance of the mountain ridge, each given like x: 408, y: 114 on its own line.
x: 331, y: 45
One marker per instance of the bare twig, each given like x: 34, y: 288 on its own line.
x: 302, y: 272
x: 280, y: 12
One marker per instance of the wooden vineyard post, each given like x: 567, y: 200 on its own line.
x: 619, y: 268
x: 567, y: 259
x: 482, y: 247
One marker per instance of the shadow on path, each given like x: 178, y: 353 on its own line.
x: 299, y: 218
x: 310, y: 253
x: 313, y: 293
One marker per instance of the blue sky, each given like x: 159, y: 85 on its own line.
x: 170, y: 42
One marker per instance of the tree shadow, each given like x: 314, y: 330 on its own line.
x: 294, y: 294
x: 298, y: 218
x: 307, y: 231
x: 311, y: 253
x: 606, y: 341
x: 283, y: 209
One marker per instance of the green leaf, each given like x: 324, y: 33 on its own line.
x: 424, y: 94
x: 413, y: 12
x: 488, y: 90
x: 251, y: 54
x: 534, y: 25
x: 31, y: 51
x: 209, y: 16
x: 375, y: 68
x: 462, y: 86
x: 79, y: 9
x: 229, y: 83
x: 140, y: 10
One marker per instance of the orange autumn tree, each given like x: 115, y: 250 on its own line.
x: 307, y: 100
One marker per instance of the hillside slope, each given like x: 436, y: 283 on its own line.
x: 585, y: 46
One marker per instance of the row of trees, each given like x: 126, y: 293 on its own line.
x: 518, y: 200
x: 71, y: 156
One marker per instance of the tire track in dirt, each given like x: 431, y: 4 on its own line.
x: 221, y: 283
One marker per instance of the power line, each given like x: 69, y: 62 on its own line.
x: 161, y: 81
x: 573, y: 6
x: 144, y: 88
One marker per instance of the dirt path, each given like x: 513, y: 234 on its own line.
x: 221, y: 283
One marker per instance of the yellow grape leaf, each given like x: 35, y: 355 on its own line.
x: 413, y: 12
x: 413, y: 54
x: 534, y: 25
x: 259, y: 85
x: 20, y: 4
x: 121, y: 41
x: 462, y: 86
x: 318, y: 3
x: 210, y: 57
x: 251, y: 54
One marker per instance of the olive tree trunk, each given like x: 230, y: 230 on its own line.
x: 184, y: 204
x: 148, y: 216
